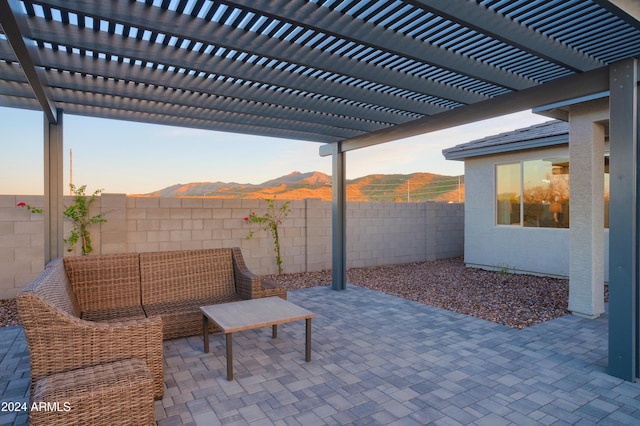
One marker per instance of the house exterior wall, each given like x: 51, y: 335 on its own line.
x: 543, y: 251
x: 377, y: 233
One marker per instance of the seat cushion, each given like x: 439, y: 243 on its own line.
x: 183, y: 318
x: 123, y: 313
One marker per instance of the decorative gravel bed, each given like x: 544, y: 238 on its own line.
x: 8, y: 313
x: 514, y: 300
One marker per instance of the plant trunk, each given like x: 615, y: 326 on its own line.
x: 276, y: 242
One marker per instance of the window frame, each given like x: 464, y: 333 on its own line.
x: 495, y: 193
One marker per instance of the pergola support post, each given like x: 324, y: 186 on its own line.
x: 338, y: 220
x: 53, y: 188
x: 624, y: 229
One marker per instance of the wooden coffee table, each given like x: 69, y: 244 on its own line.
x: 250, y: 314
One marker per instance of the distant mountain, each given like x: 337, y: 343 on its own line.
x: 297, y: 178
x: 296, y: 186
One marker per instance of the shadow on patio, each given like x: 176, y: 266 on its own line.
x: 380, y: 359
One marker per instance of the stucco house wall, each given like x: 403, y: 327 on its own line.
x: 490, y: 246
x: 540, y: 251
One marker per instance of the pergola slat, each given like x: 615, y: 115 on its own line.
x: 223, y: 87
x: 258, y: 44
x: 172, y: 56
x: 345, y: 26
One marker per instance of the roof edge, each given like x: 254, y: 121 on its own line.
x: 551, y: 133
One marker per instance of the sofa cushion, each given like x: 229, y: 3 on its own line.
x: 186, y: 275
x: 183, y: 317
x: 122, y: 313
x: 105, y: 283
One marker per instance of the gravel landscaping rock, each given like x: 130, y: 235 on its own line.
x: 514, y: 300
x: 8, y: 313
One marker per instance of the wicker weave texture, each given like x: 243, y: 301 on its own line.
x: 248, y: 285
x: 53, y: 286
x: 114, y: 393
x: 106, y: 281
x: 186, y: 275
x: 115, y: 314
x: 183, y: 318
x: 59, y: 341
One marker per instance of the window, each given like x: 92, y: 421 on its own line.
x: 540, y: 190
x: 533, y: 193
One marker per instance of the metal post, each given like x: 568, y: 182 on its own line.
x: 339, y: 220
x: 53, y: 189
x: 229, y: 345
x: 205, y: 332
x: 623, y: 228
x: 307, y: 340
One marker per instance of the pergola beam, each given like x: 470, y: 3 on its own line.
x: 561, y: 89
x: 628, y: 10
x: 486, y: 21
x: 16, y: 33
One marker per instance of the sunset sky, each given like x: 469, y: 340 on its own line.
x: 135, y: 158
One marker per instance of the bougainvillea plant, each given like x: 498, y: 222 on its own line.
x: 28, y: 207
x: 270, y: 222
x: 78, y: 213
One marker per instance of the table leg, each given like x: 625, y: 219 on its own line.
x: 274, y: 329
x: 307, y: 349
x: 229, y: 357
x: 205, y: 332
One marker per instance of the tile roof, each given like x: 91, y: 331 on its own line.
x: 551, y: 133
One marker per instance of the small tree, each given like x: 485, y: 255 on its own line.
x: 269, y: 222
x: 78, y: 213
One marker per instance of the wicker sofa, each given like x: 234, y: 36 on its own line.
x: 171, y: 284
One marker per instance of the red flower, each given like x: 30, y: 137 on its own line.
x: 246, y: 219
x: 21, y: 204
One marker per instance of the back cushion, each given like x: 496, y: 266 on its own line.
x: 105, y: 281
x: 182, y: 275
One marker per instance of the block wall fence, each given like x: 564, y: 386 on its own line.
x: 377, y: 233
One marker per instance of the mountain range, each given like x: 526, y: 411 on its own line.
x: 296, y: 186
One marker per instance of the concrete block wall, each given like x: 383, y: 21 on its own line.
x: 377, y: 233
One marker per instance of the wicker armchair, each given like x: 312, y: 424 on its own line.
x: 59, y: 341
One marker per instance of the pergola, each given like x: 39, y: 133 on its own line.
x: 345, y: 73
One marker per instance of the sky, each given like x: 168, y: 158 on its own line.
x: 136, y: 158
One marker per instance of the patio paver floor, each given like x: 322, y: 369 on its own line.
x: 380, y: 359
